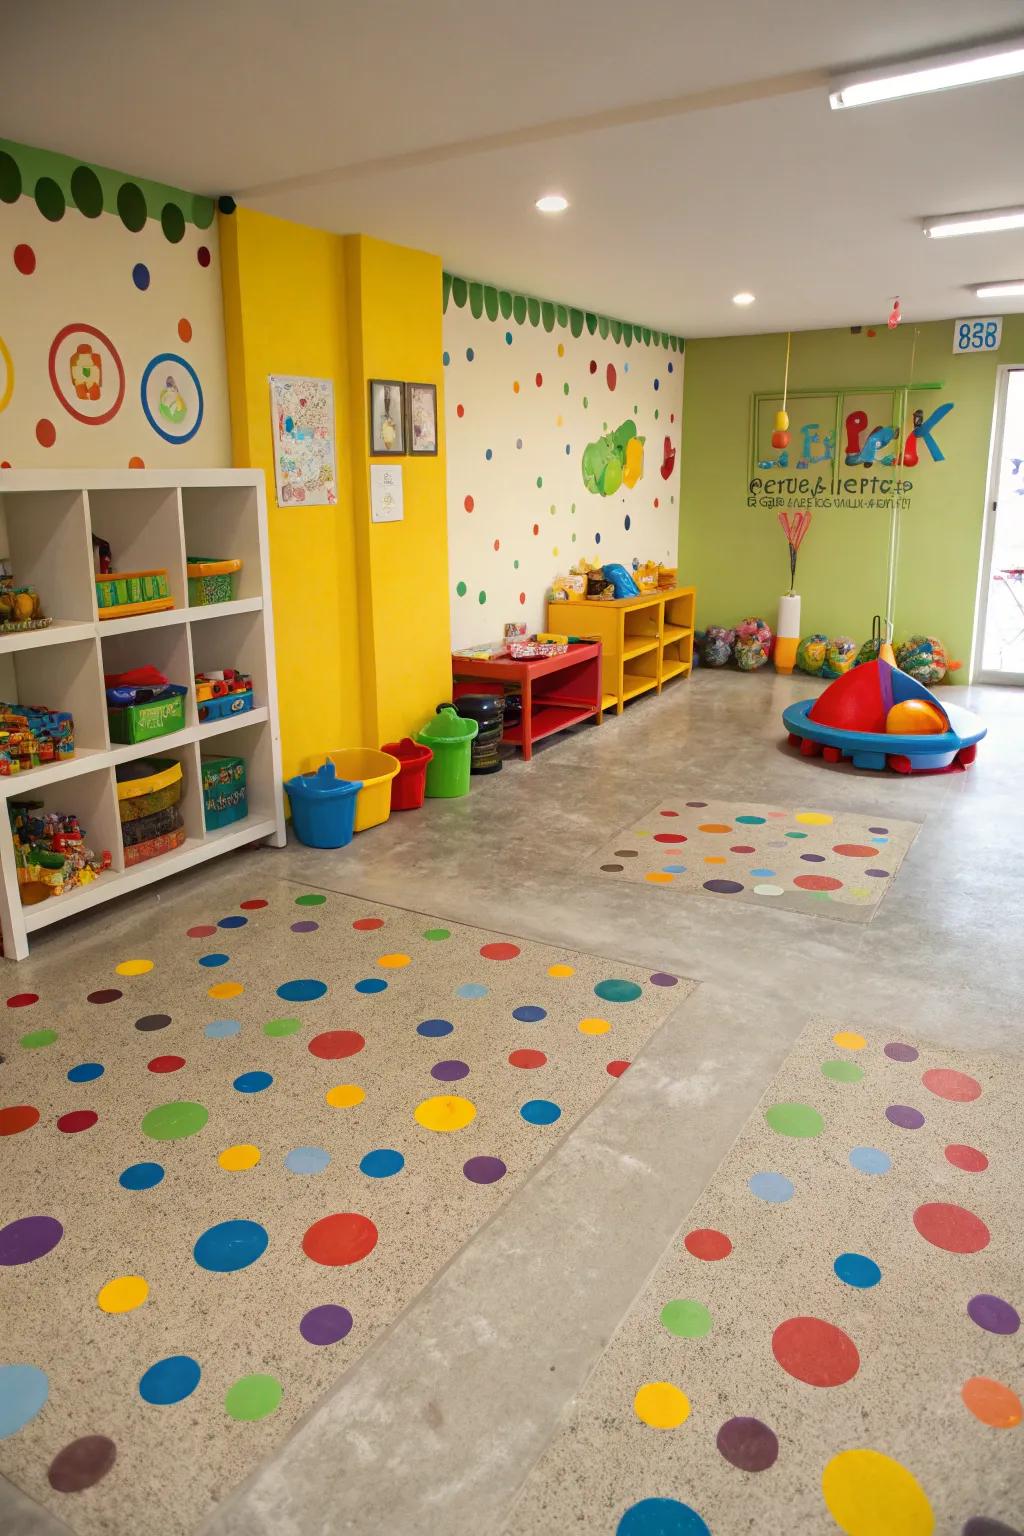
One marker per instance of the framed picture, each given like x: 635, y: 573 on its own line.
x: 387, y: 417
x: 421, y: 416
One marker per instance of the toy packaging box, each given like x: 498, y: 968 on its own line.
x: 224, y: 791
x: 31, y: 737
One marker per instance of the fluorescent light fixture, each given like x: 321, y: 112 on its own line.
x: 941, y: 72
x: 552, y: 202
x: 1014, y: 290
x: 985, y: 223
x: 743, y: 298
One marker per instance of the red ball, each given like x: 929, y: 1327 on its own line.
x: 780, y: 439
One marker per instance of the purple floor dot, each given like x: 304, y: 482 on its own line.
x: 903, y: 1115
x: 724, y: 887
x: 813, y: 858
x: 881, y: 831
x: 748, y: 1444
x: 326, y: 1324
x: 307, y: 926
x: 663, y: 979
x: 877, y: 874
x: 697, y: 805
x: 993, y: 1314
x: 484, y: 1170
x: 30, y: 1237
x: 897, y: 1051
x: 449, y: 1071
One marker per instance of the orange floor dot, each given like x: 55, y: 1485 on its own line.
x: 992, y: 1402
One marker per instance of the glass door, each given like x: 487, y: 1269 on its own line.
x: 1001, y: 606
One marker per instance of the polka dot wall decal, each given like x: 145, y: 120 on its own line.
x: 252, y: 1398
x: 17, y: 1118
x: 445, y: 1112
x: 661, y: 1405
x: 50, y: 199
x: 951, y: 1227
x: 993, y: 1402
x: 842, y: 1071
x: 326, y: 1324
x: 369, y: 985
x: 708, y: 1243
x: 302, y: 991
x: 382, y: 1163
x: 967, y: 1159
x: 252, y: 1082
x: 870, y: 1160
x: 993, y: 1314
x: 122, y: 1294
x: 36, y: 1039
x: 593, y: 1026
x: 203, y: 256
x: 174, y: 1121
x: 222, y: 1029
x: 24, y: 1390
x: 170, y: 1380
x: 344, y: 1238
x: 773, y: 1187
x: 345, y: 1096
x: 792, y: 1119
x: 661, y: 1517
x: 468, y: 503
x: 947, y: 1084
x: 221, y: 991
x: 336, y: 1044
x: 857, y: 1270
x: 141, y: 1176
x: 815, y: 1351
x: 528, y: 1060
x: 85, y: 1072
x: 460, y: 411
x: 29, y: 1238
x: 610, y: 376
x: 307, y: 1160
x: 25, y: 260
x: 686, y: 1319
x: 140, y: 276
x: 22, y: 999
x: 433, y: 1028
x: 230, y: 1245
x: 748, y: 1444
x: 869, y: 1494
x: 46, y: 432
x: 81, y: 1464
x: 77, y: 1120
x: 849, y: 1040
x: 136, y: 463
x: 905, y: 1116
x: 239, y: 1158
x: 500, y: 951
x: 896, y: 1051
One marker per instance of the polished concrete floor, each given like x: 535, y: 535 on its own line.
x: 437, y: 1426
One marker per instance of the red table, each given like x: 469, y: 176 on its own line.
x: 557, y: 690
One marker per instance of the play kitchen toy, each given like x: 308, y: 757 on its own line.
x: 450, y: 739
x: 211, y: 581
x: 31, y: 738
x: 323, y: 807
x: 225, y: 798
x: 224, y: 693
x: 142, y: 704
x: 148, y: 798
x: 50, y: 853
x: 375, y: 771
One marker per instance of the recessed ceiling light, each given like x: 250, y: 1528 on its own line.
x: 1014, y: 290
x: 986, y: 223
x: 743, y: 298
x: 552, y: 202
x: 940, y: 72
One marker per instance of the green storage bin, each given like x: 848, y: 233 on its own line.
x: 143, y: 722
x: 211, y: 581
x: 450, y: 738
x: 224, y: 791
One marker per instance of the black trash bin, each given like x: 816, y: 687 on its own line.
x: 488, y: 710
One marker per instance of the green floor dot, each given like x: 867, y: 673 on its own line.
x: 795, y: 1120
x: 311, y: 899
x: 614, y: 990
x: 437, y: 933
x: 253, y: 1397
x: 37, y: 1038
x: 842, y: 1071
x: 172, y: 1122
x: 686, y: 1319
x: 282, y: 1026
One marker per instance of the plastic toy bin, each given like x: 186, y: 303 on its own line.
x: 323, y: 807
x: 225, y: 798
x: 211, y: 581
x: 374, y: 770
x: 148, y: 793
x: 450, y: 738
x: 409, y: 786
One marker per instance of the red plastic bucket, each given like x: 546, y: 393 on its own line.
x: 409, y: 784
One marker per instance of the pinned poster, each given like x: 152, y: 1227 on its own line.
x: 386, y: 493
x: 302, y: 425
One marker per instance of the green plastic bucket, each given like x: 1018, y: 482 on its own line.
x: 450, y: 739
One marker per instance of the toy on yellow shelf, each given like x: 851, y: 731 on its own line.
x: 915, y: 717
x: 646, y: 574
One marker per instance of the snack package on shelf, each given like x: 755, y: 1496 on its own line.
x: 31, y: 737
x: 50, y: 853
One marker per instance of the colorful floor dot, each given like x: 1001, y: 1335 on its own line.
x: 723, y: 887
x: 993, y: 1402
x: 958, y: 1087
x: 394, y: 962
x: 433, y: 1028
x: 153, y: 1021
x: 449, y: 1071
x: 81, y: 1464
x: 368, y: 986
x: 201, y: 931
x: 24, y: 1390
x: 540, y: 1112
x: 237, y: 1159
x: 22, y: 999
x: 869, y: 1494
x: 593, y: 1026
x: 122, y: 1294
x: 561, y: 970
x: 849, y: 1040
x: 993, y: 1314
x: 77, y: 1120
x: 773, y: 1187
x: 230, y: 1245
x: 661, y: 1405
x: 85, y: 1072
x: 951, y: 1227
x: 661, y: 1517
x: 305, y: 925
x: 170, y: 1380
x: 905, y: 1116
x: 813, y: 819
x: 279, y: 1029
x: 897, y: 1051
x: 870, y: 1160
x: 708, y: 1243
x: 307, y: 1160
x: 842, y: 1071
x: 305, y: 990
x: 966, y: 1158
x: 748, y: 1444
x: 686, y: 1319
x: 615, y: 990
x: 213, y: 960
x: 345, y: 1096
x: 133, y: 967
x: 165, y: 1064
x: 104, y: 995
x: 311, y: 899
x: 17, y: 1118
x: 336, y: 1044
x: 326, y: 1324
x: 252, y: 1398
x: 234, y: 921
x: 445, y: 1112
x: 382, y: 1163
x: 500, y: 951
x: 368, y: 924
x: 484, y: 1170
x: 791, y: 1119
x: 857, y: 1270
x: 340, y: 1239
x: 29, y: 1238
x: 36, y: 1039
x: 141, y: 1176
x: 815, y: 1351
x: 529, y: 1013
x: 222, y: 1029
x: 222, y: 991
x: 436, y: 935
x: 254, y: 904
x: 252, y: 1082
x: 527, y: 1059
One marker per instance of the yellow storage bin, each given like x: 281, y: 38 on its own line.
x: 375, y: 770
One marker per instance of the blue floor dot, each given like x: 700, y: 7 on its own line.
x: 540, y: 1112
x: 751, y: 821
x: 235, y: 921
x: 870, y: 1160
x: 434, y: 1027
x: 307, y: 1160
x: 23, y: 1392
x: 858, y: 1270
x: 674, y: 869
x: 471, y: 989
x: 306, y: 990
x: 222, y: 1029
x: 382, y: 1163
x: 763, y: 874
x: 774, y: 1187
x: 230, y: 1245
x: 211, y: 960
x: 615, y: 990
x: 371, y: 984
x: 85, y: 1072
x: 170, y: 1380
x: 661, y: 1517
x: 141, y: 1176
x: 253, y: 1082
x: 528, y: 1014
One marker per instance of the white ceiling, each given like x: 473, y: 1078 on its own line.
x: 693, y: 140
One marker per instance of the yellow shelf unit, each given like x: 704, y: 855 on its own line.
x: 645, y: 640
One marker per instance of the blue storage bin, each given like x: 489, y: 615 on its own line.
x: 323, y: 807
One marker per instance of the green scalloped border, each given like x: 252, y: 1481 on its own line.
x: 34, y: 165
x: 487, y: 299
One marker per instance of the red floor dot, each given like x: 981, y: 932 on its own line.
x: 201, y: 931
x: 817, y: 883
x: 967, y: 1158
x: 77, y: 1120
x: 368, y: 924
x: 16, y: 1118
x: 815, y: 1351
x: 616, y: 1068
x: 23, y: 999
x: 527, y: 1059
x: 334, y: 1044
x: 947, y: 1084
x: 951, y: 1227
x: 499, y: 951
x: 855, y: 850
x: 707, y: 1243
x: 255, y: 905
x: 166, y: 1063
x: 341, y: 1239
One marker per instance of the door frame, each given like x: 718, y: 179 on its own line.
x: 978, y: 673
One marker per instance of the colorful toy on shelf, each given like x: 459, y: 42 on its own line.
x: 142, y: 704
x: 50, y: 853
x: 840, y: 655
x: 119, y: 594
x: 31, y: 738
x: 224, y: 693
x: 20, y: 608
x: 718, y: 644
x: 211, y: 581
x: 924, y: 657
x: 148, y: 796
x: 880, y: 717
x: 225, y: 798
x: 753, y: 644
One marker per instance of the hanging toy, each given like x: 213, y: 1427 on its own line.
x: 780, y: 437
x: 895, y: 314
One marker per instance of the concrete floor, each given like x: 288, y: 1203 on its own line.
x: 437, y: 1426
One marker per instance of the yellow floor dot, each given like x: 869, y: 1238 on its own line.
x: 344, y: 1096
x: 122, y: 1294
x: 661, y: 1405
x: 561, y: 970
x: 849, y: 1040
x: 133, y: 967
x: 714, y: 858
x: 239, y: 1157
x: 593, y: 1026
x: 446, y: 1112
x: 869, y: 1494
x: 658, y: 877
x: 393, y: 962
x: 814, y: 818
x: 222, y: 989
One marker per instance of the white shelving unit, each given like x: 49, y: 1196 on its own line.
x: 151, y: 519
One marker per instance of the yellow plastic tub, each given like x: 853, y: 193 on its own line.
x: 375, y: 770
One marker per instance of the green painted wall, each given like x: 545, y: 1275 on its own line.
x: 736, y: 556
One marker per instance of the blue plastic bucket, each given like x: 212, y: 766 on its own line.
x: 323, y: 807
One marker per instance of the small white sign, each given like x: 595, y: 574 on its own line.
x: 978, y: 335
x: 386, y: 493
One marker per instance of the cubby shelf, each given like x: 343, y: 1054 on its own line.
x: 646, y: 640
x: 152, y: 519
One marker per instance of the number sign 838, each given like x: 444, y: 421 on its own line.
x: 977, y: 335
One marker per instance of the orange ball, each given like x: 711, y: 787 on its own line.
x: 915, y: 717
x: 780, y: 439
